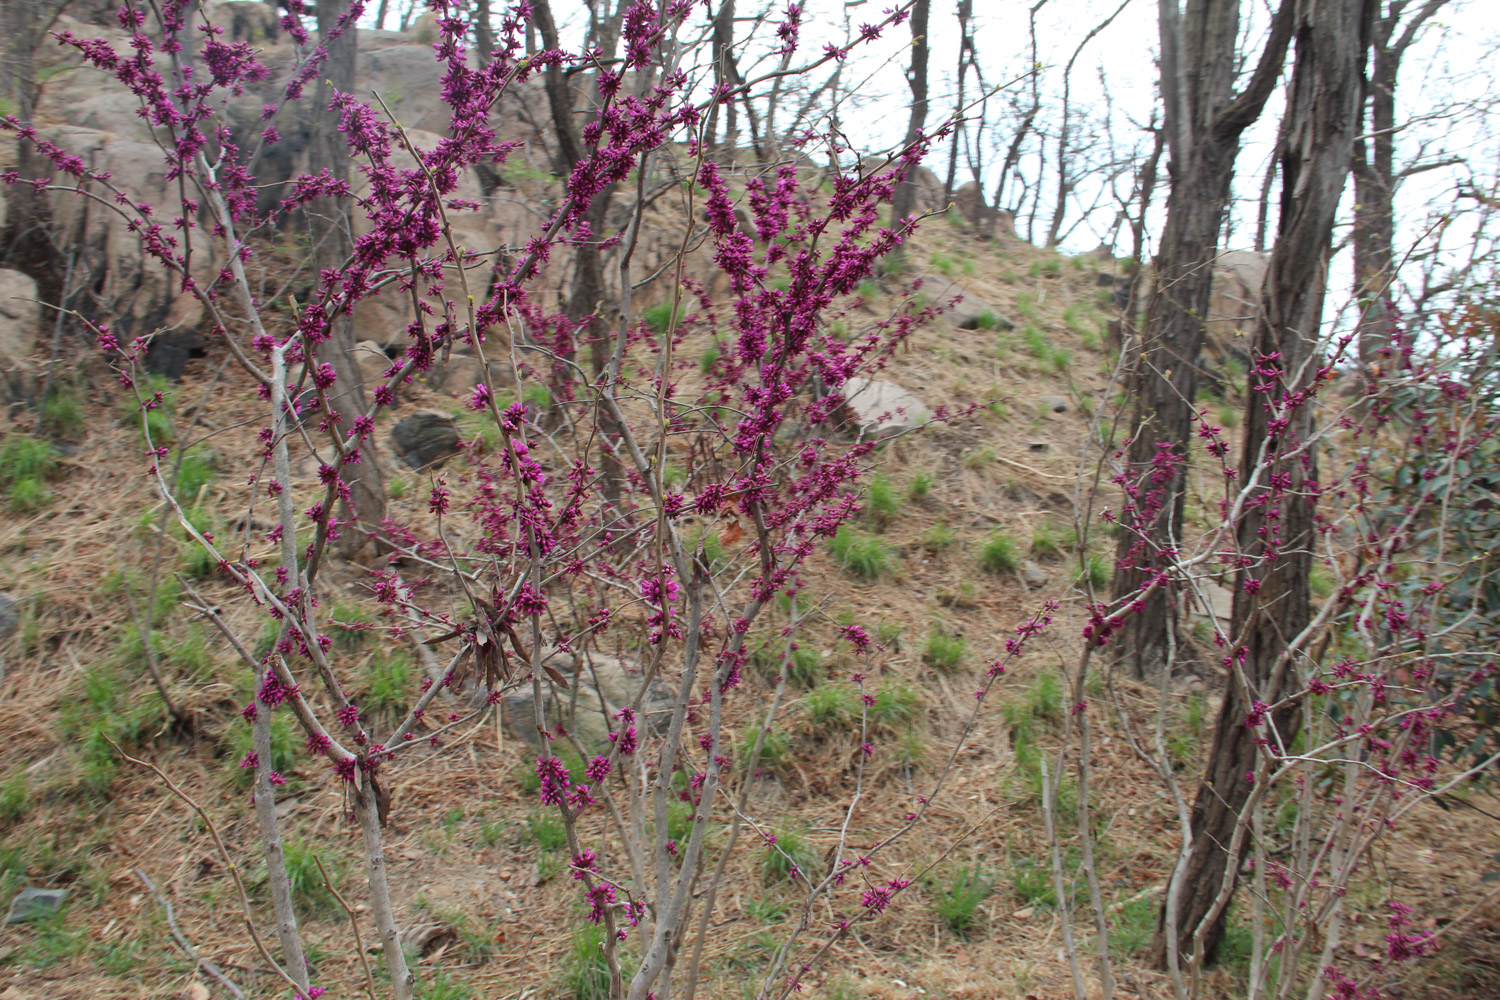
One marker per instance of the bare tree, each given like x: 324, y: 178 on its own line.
x: 334, y: 242
x: 1203, y: 119
x: 1397, y: 25
x: 965, y: 60
x: 1276, y: 537
x: 916, y: 77
x: 1066, y: 176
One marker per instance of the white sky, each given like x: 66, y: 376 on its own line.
x: 1114, y: 80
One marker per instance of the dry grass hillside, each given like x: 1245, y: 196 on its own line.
x: 968, y: 525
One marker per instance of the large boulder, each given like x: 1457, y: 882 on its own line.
x: 138, y: 294
x: 968, y: 311
x: 426, y: 438
x: 598, y: 687
x: 20, y: 317
x: 1235, y: 305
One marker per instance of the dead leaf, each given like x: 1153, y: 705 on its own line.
x: 197, y: 991
x: 731, y: 533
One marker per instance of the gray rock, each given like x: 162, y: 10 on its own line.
x: 596, y: 690
x: 1053, y: 404
x: 1037, y: 446
x: 35, y: 904
x: 1104, y: 279
x: 19, y: 316
x: 426, y: 438
x: 967, y: 311
x: 1033, y: 575
x: 879, y: 407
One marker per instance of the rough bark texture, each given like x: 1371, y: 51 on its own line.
x: 1203, y: 121
x: 334, y: 242
x: 905, y: 197
x: 1375, y: 176
x: 1332, y: 37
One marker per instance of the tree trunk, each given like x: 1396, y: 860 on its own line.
x: 26, y: 245
x: 725, y: 75
x: 484, y: 32
x: 905, y: 197
x: 1375, y: 173
x: 1277, y: 534
x: 1203, y: 125
x: 965, y: 56
x: 333, y: 241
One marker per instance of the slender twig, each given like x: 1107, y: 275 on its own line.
x: 187, y: 946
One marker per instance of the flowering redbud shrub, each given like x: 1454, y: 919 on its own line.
x: 574, y: 529
x: 625, y: 487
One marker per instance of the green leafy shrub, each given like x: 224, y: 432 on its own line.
x: 804, y: 667
x: 349, y: 626
x: 659, y: 317
x: 585, y: 972
x: 1098, y: 570
x: 547, y: 831
x: 63, y: 412
x: 938, y: 537
x: 1044, y: 698
x: 194, y: 473
x: 896, y: 703
x: 710, y: 357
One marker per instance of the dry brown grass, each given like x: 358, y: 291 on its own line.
x: 458, y: 840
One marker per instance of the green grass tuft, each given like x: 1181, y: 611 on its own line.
x: 866, y: 556
x: 997, y: 554
x: 957, y: 899
x: 944, y: 650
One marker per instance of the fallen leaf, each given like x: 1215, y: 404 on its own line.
x: 731, y: 533
x: 197, y: 991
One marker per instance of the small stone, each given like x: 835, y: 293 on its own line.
x: 1033, y: 575
x: 1037, y: 446
x: 1053, y: 404
x: 1104, y: 279
x: 35, y: 904
x: 1024, y: 913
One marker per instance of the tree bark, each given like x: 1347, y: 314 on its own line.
x: 1203, y: 123
x: 334, y: 242
x: 1332, y: 37
x: 905, y: 197
x: 965, y: 57
x: 1375, y: 173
